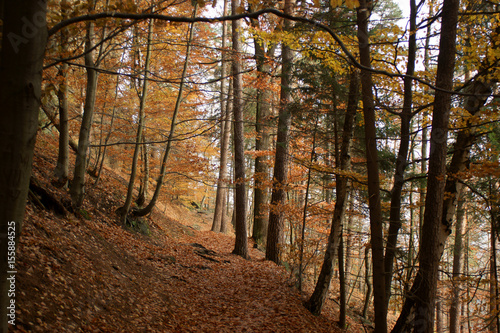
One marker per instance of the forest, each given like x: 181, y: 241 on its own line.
x: 354, y: 144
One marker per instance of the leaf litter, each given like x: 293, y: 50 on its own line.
x: 93, y: 275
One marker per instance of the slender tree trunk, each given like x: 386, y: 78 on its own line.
x: 77, y: 189
x: 439, y: 316
x: 317, y: 299
x: 225, y: 221
x: 108, y: 136
x: 304, y: 212
x: 494, y: 307
x: 240, y: 205
x: 61, y: 171
x: 163, y: 169
x: 142, y: 105
x: 62, y: 167
x: 376, y: 228
x: 225, y: 133
x: 143, y: 189
x: 52, y: 117
x: 422, y: 296
x: 343, y: 284
x: 457, y: 268
x: 262, y: 140
x: 21, y: 61
x: 401, y: 161
x: 369, y: 287
x: 348, y: 241
x: 280, y: 178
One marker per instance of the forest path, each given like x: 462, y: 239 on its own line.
x: 89, y: 274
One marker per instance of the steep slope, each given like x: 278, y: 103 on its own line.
x: 86, y: 273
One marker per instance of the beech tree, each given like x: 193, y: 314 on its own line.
x: 24, y: 36
x: 77, y: 188
x: 402, y: 157
x: 225, y: 117
x: 264, y: 53
x: 240, y: 245
x: 278, y: 196
x: 163, y: 169
x: 142, y: 105
x: 62, y: 168
x: 372, y: 166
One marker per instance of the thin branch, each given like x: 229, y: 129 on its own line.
x: 254, y: 15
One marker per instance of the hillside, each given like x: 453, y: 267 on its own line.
x: 86, y: 273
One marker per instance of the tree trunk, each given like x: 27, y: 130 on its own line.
x: 108, y: 135
x: 77, y: 189
x: 240, y: 205
x: 368, y: 283
x: 163, y: 169
x: 343, y: 284
x: 348, y: 241
x: 143, y: 189
x: 401, y: 161
x: 439, y: 316
x: 225, y: 133
x: 142, y: 105
x: 304, y: 213
x: 263, y: 139
x: 494, y: 308
x: 376, y: 228
x: 457, y: 268
x: 61, y: 171
x: 226, y: 213
x: 21, y: 61
x: 317, y: 299
x: 280, y: 178
x: 435, y: 229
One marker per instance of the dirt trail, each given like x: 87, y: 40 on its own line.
x: 88, y: 274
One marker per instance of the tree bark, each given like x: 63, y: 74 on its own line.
x: 304, y: 212
x: 435, y: 230
x: 225, y: 134
x: 61, y: 171
x: 77, y: 188
x: 108, y: 135
x: 318, y: 297
x: 280, y: 177
x: 263, y: 139
x: 401, y: 161
x: 21, y: 61
x: 142, y: 105
x: 494, y: 306
x: 376, y: 228
x: 457, y: 268
x: 368, y: 283
x: 163, y: 169
x: 343, y: 284
x: 240, y: 206
x: 143, y: 188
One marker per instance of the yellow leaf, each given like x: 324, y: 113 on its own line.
x: 335, y: 3
x: 240, y: 9
x: 351, y: 4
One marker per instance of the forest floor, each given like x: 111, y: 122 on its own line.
x: 86, y: 273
